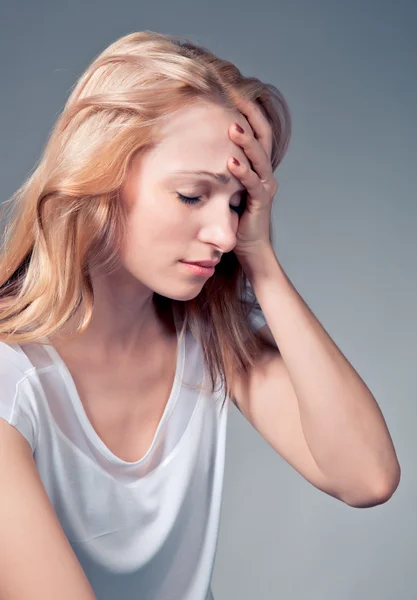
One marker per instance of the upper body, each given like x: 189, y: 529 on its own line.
x: 138, y: 496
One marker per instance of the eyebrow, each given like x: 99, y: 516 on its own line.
x: 220, y: 177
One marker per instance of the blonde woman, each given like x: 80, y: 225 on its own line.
x: 119, y: 355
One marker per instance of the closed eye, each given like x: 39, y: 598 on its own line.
x: 197, y: 199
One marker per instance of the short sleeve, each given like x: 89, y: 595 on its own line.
x: 17, y: 402
x: 256, y: 316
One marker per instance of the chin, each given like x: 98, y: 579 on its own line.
x: 181, y: 295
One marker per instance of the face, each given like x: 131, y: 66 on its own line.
x: 163, y: 227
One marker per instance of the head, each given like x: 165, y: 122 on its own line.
x: 176, y: 214
x: 107, y: 194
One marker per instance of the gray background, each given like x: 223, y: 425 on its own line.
x: 345, y: 223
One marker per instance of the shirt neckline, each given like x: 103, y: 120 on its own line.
x: 82, y: 415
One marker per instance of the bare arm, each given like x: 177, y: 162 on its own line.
x: 36, y: 558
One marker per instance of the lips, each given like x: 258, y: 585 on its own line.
x: 203, y: 263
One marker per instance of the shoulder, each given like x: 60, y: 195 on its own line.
x: 14, y: 364
x: 17, y: 401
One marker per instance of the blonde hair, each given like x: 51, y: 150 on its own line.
x: 67, y: 214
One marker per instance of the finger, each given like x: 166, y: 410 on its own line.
x: 250, y: 180
x: 255, y: 152
x: 258, y: 122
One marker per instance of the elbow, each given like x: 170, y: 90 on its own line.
x: 380, y: 493
x: 389, y: 488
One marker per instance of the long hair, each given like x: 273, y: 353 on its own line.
x: 67, y: 218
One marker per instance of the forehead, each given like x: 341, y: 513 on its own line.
x: 201, y: 117
x: 197, y: 138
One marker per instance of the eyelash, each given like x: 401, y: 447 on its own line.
x: 196, y: 199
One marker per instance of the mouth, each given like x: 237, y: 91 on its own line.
x: 197, y: 269
x: 202, y: 263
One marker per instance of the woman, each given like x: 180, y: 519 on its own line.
x: 118, y: 357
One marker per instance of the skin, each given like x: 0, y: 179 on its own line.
x: 162, y: 230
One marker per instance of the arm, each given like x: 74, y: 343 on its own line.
x: 37, y: 560
x: 309, y: 403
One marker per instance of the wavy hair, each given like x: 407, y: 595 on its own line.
x: 67, y: 218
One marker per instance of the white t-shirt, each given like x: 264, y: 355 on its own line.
x: 145, y: 529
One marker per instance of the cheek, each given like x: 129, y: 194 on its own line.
x: 155, y: 227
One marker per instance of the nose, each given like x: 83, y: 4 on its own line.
x: 221, y: 231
